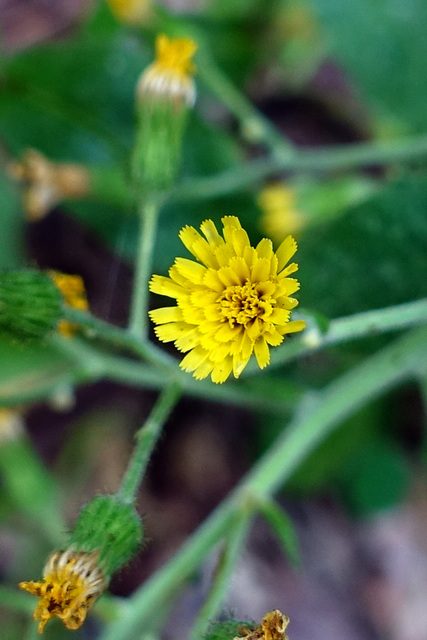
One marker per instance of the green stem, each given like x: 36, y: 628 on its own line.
x: 147, y: 438
x: 93, y: 327
x: 254, y: 125
x: 16, y: 600
x: 138, y: 321
x: 250, y: 175
x: 224, y: 570
x: 376, y: 375
x: 359, y: 325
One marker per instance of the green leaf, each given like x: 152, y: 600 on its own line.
x: 371, y: 257
x: 378, y: 478
x: 382, y: 45
x: 27, y: 369
x: 74, y: 100
x: 11, y: 226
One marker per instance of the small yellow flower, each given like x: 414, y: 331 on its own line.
x: 235, y: 301
x: 74, y: 294
x: 46, y: 183
x: 131, y: 11
x: 272, y: 627
x: 71, y: 583
x: 171, y: 74
x: 280, y: 212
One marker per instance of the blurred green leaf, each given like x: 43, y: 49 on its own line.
x: 371, y: 257
x: 27, y: 368
x: 283, y: 526
x: 378, y: 478
x: 11, y: 225
x: 382, y: 45
x: 73, y: 100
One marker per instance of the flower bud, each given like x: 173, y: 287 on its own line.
x: 111, y: 528
x: 30, y: 304
x: 165, y: 92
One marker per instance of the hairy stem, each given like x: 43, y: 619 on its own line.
x: 147, y: 438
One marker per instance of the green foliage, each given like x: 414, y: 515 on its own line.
x: 372, y: 256
x: 382, y: 46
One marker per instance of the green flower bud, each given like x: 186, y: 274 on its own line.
x: 164, y: 94
x: 30, y: 304
x: 111, y: 528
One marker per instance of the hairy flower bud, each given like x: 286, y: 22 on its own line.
x: 165, y: 92
x: 106, y: 535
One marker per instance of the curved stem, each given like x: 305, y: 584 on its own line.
x: 251, y: 174
x: 236, y: 537
x: 376, y: 375
x: 254, y: 125
x: 147, y: 438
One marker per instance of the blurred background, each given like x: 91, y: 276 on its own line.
x: 324, y: 72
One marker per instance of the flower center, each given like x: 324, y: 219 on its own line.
x: 239, y: 304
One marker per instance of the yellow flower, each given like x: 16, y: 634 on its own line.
x: 280, y: 212
x: 235, y: 301
x: 71, y: 583
x: 73, y: 292
x: 272, y: 627
x: 131, y: 11
x: 171, y: 74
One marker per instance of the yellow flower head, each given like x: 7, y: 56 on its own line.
x: 71, y: 583
x: 280, y: 213
x: 131, y: 11
x: 171, y: 73
x: 73, y: 292
x: 235, y: 301
x: 272, y: 627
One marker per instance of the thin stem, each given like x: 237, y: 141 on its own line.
x: 16, y: 600
x: 224, y: 571
x: 148, y: 213
x: 359, y: 325
x: 249, y: 175
x: 147, y: 438
x: 116, y: 337
x: 256, y: 127
x: 376, y: 375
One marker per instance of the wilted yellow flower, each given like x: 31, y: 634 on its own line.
x: 235, y: 301
x: 72, y: 581
x: 73, y: 292
x: 272, y: 627
x: 280, y: 211
x: 131, y: 11
x: 46, y: 183
x: 171, y: 74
